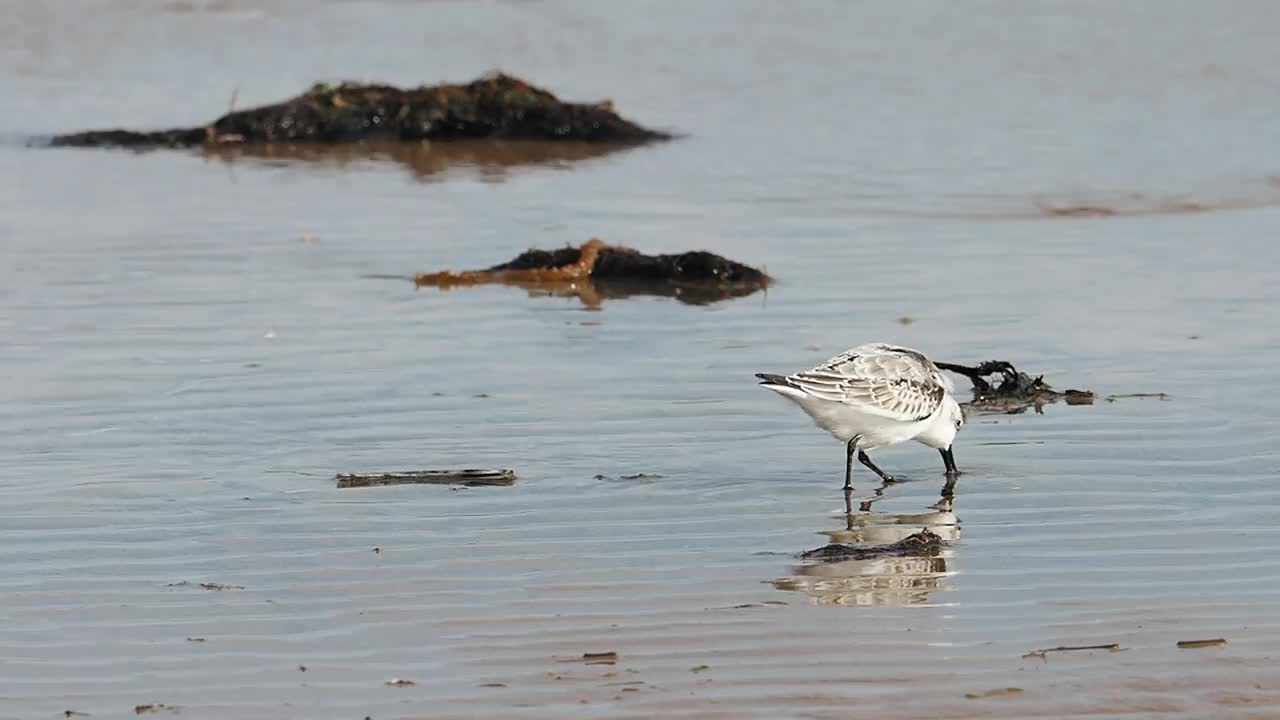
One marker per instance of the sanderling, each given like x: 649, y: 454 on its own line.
x: 874, y: 396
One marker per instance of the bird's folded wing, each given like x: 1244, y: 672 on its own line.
x: 901, y: 398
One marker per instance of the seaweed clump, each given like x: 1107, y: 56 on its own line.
x: 595, y: 271
x: 1015, y: 391
x: 494, y: 106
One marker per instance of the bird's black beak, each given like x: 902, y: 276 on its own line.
x: 949, y: 460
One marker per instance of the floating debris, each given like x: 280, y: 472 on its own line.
x: 494, y: 106
x: 1190, y: 644
x: 998, y: 692
x: 1015, y: 392
x: 925, y: 543
x: 1157, y: 396
x: 154, y: 708
x: 218, y: 587
x: 493, y: 685
x: 1043, y: 654
x: 597, y: 271
x: 750, y: 605
x: 399, y: 683
x: 74, y: 713
x: 195, y: 640
x: 469, y: 477
x: 699, y: 668
x: 600, y: 658
x: 1078, y: 211
x: 642, y: 476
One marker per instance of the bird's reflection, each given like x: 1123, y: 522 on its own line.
x: 880, y: 559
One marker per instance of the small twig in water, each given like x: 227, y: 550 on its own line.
x: 1043, y: 654
x: 1158, y: 396
x: 428, y: 477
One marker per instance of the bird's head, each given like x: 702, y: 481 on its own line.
x: 941, y: 432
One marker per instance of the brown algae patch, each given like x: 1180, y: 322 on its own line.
x: 596, y: 271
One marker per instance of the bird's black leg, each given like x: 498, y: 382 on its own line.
x: 949, y: 460
x: 865, y: 459
x: 850, y: 449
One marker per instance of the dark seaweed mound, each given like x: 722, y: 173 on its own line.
x: 693, y: 268
x: 496, y: 106
x: 540, y: 259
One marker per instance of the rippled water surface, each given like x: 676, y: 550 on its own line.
x: 191, y: 346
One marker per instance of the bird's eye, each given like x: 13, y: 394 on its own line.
x: 959, y: 422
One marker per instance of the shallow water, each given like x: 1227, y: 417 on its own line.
x: 192, y: 350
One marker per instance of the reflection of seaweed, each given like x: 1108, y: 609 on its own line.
x: 924, y: 543
x: 880, y: 559
x: 1015, y: 392
x: 597, y: 271
x: 492, y: 160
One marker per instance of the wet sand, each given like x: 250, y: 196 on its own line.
x: 194, y: 347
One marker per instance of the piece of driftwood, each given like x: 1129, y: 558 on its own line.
x: 494, y: 106
x: 600, y: 658
x: 469, y: 478
x: 596, y: 271
x: 1215, y: 642
x: 1015, y: 390
x: 925, y: 543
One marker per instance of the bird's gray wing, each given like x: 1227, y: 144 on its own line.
x: 895, y: 383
